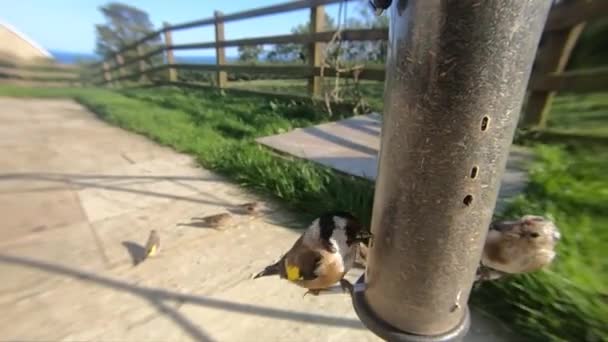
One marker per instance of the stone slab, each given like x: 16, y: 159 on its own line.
x: 352, y: 145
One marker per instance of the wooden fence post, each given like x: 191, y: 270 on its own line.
x: 315, y: 50
x: 107, y: 76
x: 552, y: 57
x: 170, y: 57
x: 120, y: 62
x: 141, y: 63
x: 220, y: 52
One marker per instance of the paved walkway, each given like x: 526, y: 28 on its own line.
x: 77, y: 195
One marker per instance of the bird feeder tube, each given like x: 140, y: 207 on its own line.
x: 457, y: 72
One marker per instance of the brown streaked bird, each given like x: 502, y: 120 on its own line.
x: 217, y: 220
x: 513, y: 247
x: 322, y: 255
x: 520, y: 246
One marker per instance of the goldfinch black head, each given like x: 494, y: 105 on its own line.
x: 338, y: 227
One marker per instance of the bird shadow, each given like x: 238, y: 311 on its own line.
x: 136, y: 251
x: 197, y: 224
x: 160, y: 298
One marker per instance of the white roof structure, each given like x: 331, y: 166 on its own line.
x: 17, y: 44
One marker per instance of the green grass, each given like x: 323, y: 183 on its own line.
x: 567, y: 302
x: 220, y: 132
x: 587, y: 114
x: 568, y: 183
x: 371, y: 91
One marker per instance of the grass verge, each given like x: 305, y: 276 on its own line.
x: 568, y: 183
x: 569, y: 301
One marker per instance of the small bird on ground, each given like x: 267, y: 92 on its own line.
x: 520, y: 246
x: 152, y: 245
x: 322, y: 255
x: 215, y: 221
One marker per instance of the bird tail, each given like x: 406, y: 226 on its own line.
x: 270, y: 270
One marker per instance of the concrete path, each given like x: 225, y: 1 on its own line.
x: 78, y: 198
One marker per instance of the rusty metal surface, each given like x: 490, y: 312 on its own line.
x: 457, y: 72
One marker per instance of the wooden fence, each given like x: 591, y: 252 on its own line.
x: 41, y: 73
x: 563, y: 27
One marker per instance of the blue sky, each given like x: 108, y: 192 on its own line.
x: 68, y: 25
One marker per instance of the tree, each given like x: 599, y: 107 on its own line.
x: 292, y: 52
x: 370, y: 51
x: 124, y: 25
x: 250, y: 53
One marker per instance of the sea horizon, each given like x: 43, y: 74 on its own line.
x: 69, y: 57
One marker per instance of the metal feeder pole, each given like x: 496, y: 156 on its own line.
x: 457, y: 71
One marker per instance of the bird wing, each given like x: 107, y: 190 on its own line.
x: 308, y: 262
x: 301, y: 262
x: 152, y: 244
x: 315, y: 268
x: 151, y: 251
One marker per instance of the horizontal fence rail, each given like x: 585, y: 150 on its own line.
x: 319, y: 37
x: 562, y: 29
x: 41, y: 72
x: 568, y: 14
x: 573, y: 81
x: 562, y: 16
x: 258, y: 12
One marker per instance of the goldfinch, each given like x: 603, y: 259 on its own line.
x: 152, y: 245
x: 520, y: 246
x: 217, y: 220
x: 322, y: 255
